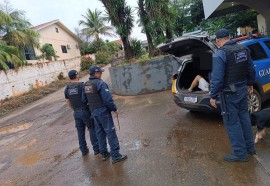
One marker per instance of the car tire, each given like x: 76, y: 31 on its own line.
x: 254, y: 102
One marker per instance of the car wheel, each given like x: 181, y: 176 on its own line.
x: 254, y: 102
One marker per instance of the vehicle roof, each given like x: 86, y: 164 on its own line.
x: 249, y: 41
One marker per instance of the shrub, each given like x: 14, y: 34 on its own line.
x: 111, y: 47
x: 48, y: 52
x: 103, y: 57
x: 61, y: 76
x: 137, y: 48
x: 143, y: 58
x: 86, y: 62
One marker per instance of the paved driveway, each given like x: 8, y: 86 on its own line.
x: 166, y: 145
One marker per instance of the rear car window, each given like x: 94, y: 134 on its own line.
x: 267, y: 43
x: 257, y: 52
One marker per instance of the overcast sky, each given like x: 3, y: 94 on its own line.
x: 67, y: 11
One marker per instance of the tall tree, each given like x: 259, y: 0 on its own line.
x: 94, y: 25
x: 9, y: 56
x: 121, y: 17
x: 4, y: 20
x: 18, y: 32
x: 162, y: 14
x: 145, y: 22
x: 183, y: 18
x: 196, y: 11
x: 232, y: 21
x: 153, y: 7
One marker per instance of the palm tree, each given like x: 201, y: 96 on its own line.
x: 145, y: 22
x: 163, y: 16
x: 94, y: 25
x: 17, y: 32
x: 121, y: 17
x: 4, y: 19
x: 9, y: 54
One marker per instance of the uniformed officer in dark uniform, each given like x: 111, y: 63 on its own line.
x: 233, y: 75
x: 96, y: 93
x: 73, y: 95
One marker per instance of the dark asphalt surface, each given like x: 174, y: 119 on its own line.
x: 166, y: 145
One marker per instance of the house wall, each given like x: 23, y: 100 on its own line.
x: 50, y: 36
x: 245, y: 30
x: 15, y: 83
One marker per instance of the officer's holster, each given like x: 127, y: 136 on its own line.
x: 230, y: 89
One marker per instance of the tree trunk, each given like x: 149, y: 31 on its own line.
x: 145, y: 20
x: 127, y: 48
x: 151, y: 48
x: 169, y: 34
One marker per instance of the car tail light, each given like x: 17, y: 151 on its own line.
x: 174, y: 78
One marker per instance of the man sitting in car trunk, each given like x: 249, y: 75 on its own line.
x: 200, y: 82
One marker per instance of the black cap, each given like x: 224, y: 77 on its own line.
x: 94, y: 69
x: 222, y: 33
x: 72, y: 74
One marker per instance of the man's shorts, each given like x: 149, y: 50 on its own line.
x: 203, y: 84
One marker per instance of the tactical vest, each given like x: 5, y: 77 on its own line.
x: 92, y: 94
x: 74, y: 91
x: 237, y: 63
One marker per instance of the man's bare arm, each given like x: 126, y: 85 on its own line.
x: 68, y: 103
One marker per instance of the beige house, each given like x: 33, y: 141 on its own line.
x: 64, y: 42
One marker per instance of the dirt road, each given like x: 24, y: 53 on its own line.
x: 165, y: 145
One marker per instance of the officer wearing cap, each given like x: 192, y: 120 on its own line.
x: 233, y: 75
x: 73, y: 95
x: 96, y: 93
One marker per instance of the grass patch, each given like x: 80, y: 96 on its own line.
x: 143, y: 59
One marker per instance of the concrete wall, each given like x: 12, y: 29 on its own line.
x: 145, y: 77
x: 15, y: 83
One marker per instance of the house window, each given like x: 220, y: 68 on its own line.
x: 29, y: 53
x: 56, y: 30
x: 64, y: 48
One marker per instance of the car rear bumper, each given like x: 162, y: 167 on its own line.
x: 203, y: 104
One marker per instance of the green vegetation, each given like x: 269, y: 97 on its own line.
x: 121, y: 17
x: 86, y: 62
x: 47, y: 52
x: 231, y: 21
x: 94, y: 25
x: 161, y: 21
x: 15, y: 34
x: 9, y: 56
x: 137, y: 48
